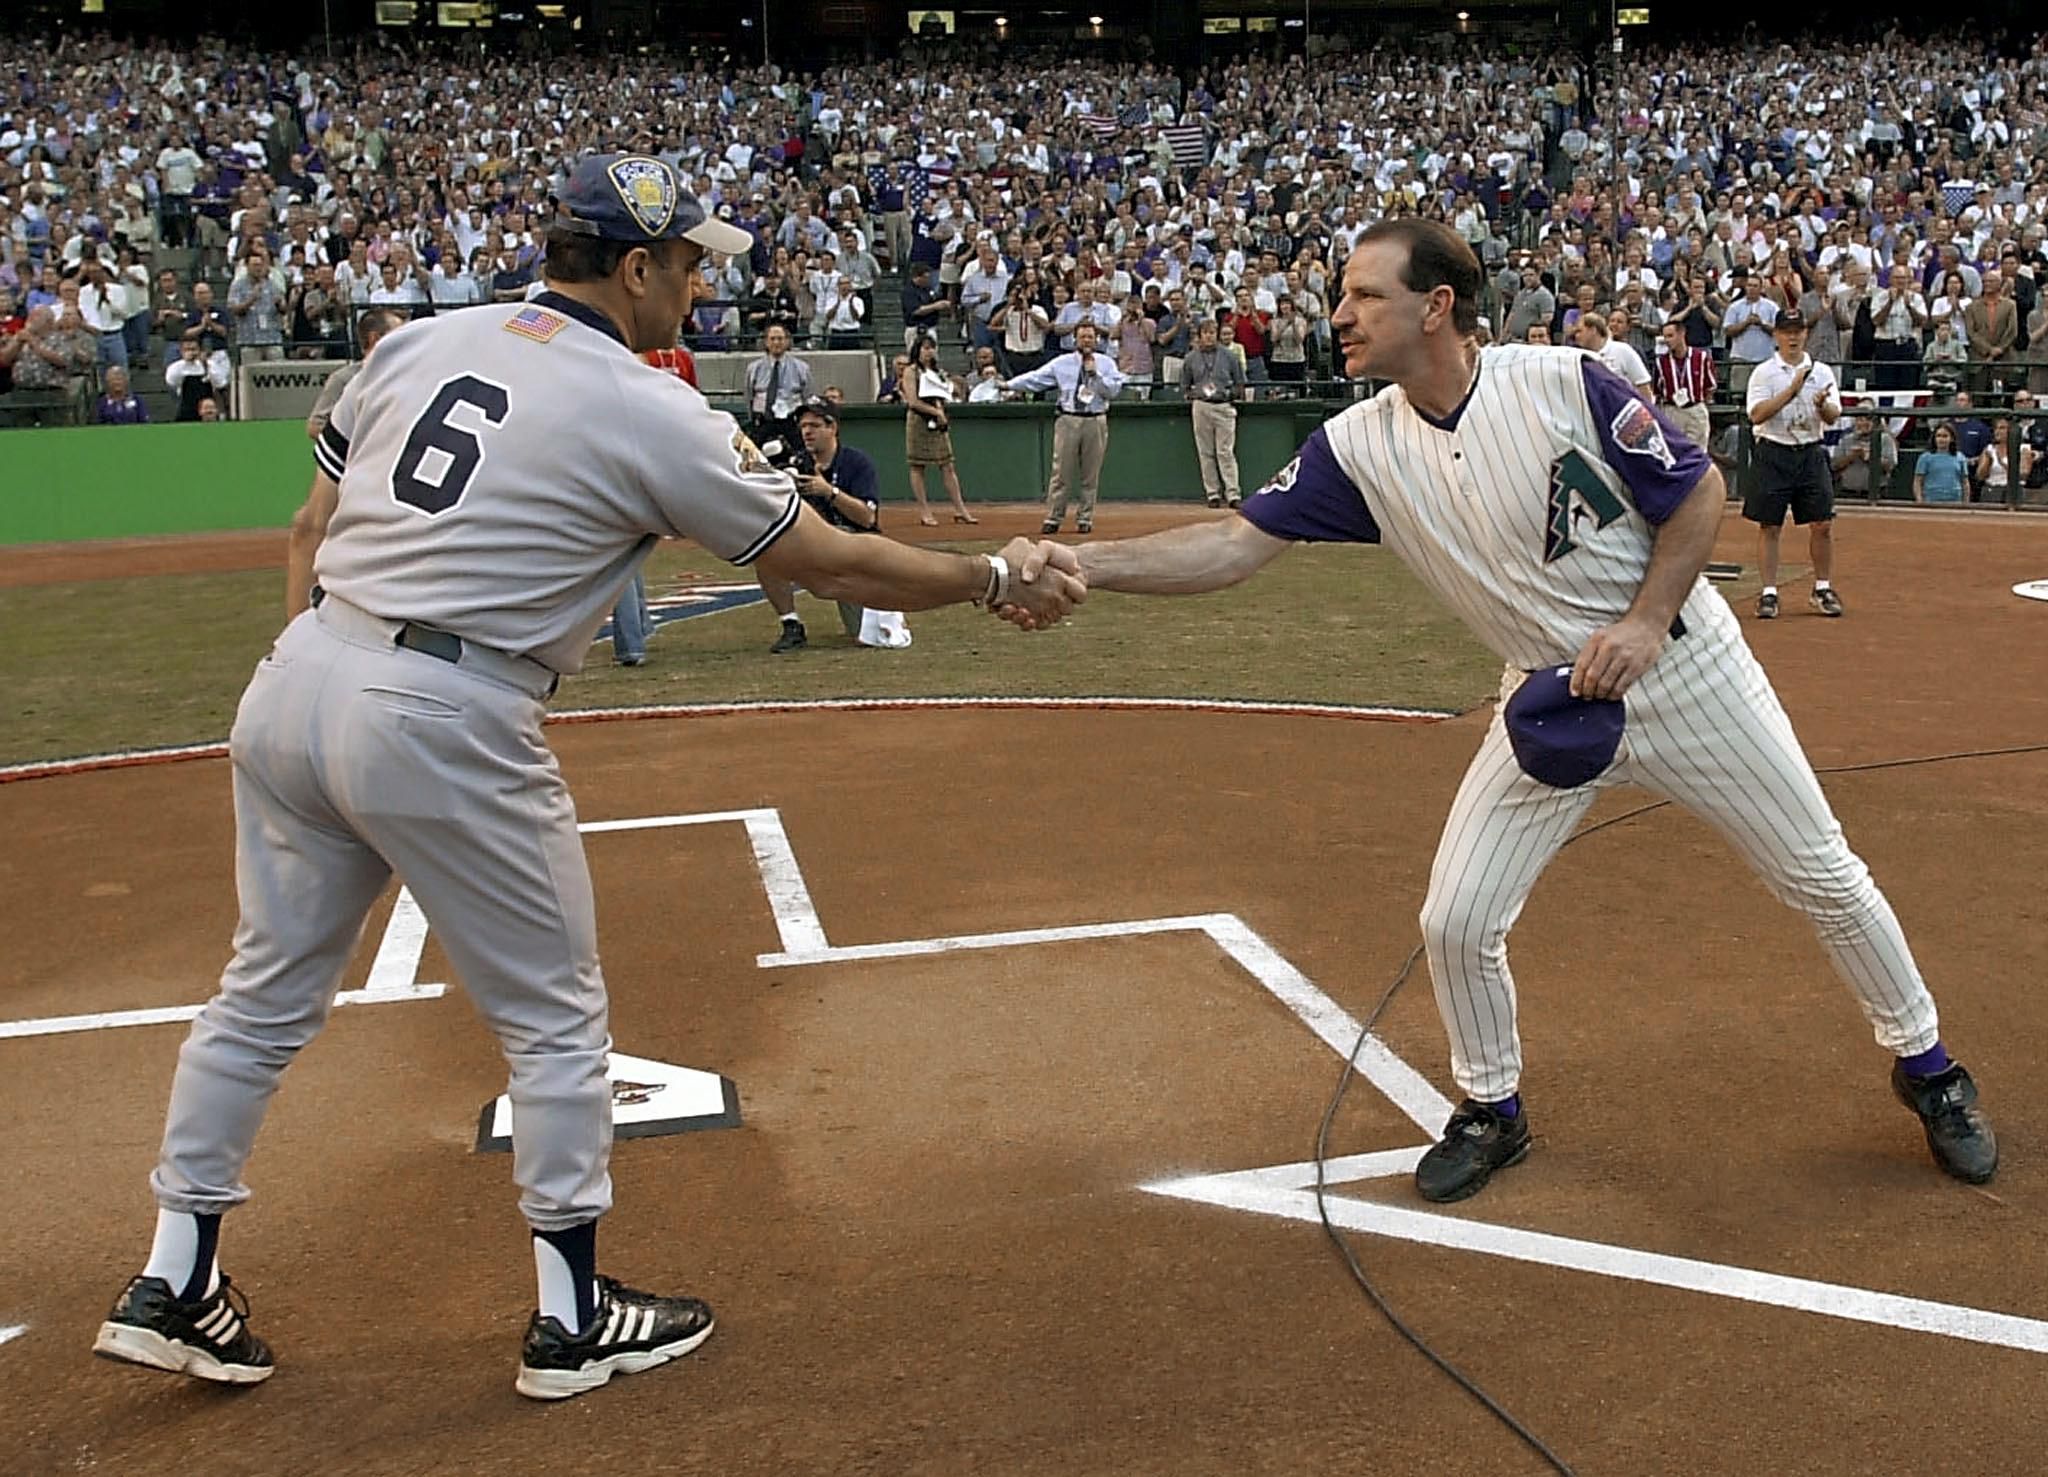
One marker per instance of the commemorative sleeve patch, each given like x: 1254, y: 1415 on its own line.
x: 1634, y: 431
x: 537, y: 324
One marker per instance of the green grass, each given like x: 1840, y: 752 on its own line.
x: 127, y: 664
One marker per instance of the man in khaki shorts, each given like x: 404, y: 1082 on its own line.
x: 1212, y: 381
x: 1087, y: 380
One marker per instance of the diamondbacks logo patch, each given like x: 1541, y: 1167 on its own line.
x: 1635, y: 431
x: 647, y: 188
x: 1575, y: 492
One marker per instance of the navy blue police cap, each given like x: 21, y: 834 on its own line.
x: 1562, y: 740
x: 638, y: 198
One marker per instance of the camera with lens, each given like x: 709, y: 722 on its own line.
x: 790, y: 456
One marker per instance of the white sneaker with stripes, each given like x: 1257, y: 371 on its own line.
x: 208, y: 1339
x: 631, y: 1331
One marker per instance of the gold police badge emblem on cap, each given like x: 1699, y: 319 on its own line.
x: 647, y: 188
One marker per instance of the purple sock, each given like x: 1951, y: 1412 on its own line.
x: 1510, y: 1107
x: 1929, y: 1063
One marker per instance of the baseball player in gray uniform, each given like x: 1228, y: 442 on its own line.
x: 1567, y: 523
x: 484, y: 489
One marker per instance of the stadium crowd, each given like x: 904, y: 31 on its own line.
x: 163, y: 210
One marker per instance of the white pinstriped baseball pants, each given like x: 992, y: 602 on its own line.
x: 1706, y: 730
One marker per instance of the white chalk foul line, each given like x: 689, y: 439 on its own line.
x: 394, y: 972
x: 1405, y: 1087
x: 114, y: 1020
x: 1279, y: 1191
x: 8, y: 1335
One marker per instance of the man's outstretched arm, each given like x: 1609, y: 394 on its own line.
x: 1212, y: 555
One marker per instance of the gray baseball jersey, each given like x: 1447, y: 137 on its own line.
x: 475, y: 499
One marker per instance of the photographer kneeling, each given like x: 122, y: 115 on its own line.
x: 840, y: 484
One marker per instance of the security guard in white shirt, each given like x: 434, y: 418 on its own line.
x: 1792, y: 399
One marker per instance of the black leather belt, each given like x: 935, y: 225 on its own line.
x: 1084, y: 415
x: 430, y: 642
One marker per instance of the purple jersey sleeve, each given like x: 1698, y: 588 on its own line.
x: 1312, y: 500
x: 1657, y: 461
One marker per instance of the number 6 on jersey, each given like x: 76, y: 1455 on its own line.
x: 440, y: 456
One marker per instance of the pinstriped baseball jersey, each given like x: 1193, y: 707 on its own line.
x: 503, y: 471
x: 1531, y: 511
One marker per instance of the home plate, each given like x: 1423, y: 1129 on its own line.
x: 649, y: 1099
x: 2031, y: 589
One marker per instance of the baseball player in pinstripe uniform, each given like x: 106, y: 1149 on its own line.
x: 1568, y: 524
x: 486, y: 486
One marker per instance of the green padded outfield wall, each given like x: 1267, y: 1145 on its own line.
x: 131, y: 481
x: 93, y: 482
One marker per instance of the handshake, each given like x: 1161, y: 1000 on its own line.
x: 1045, y: 584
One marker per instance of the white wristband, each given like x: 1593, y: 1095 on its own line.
x: 998, y: 592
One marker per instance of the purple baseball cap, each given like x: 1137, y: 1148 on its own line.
x: 1562, y: 740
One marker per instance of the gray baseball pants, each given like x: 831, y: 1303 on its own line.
x: 355, y: 758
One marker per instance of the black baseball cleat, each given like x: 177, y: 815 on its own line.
x: 1216, y: 501
x: 1827, y: 602
x: 1476, y: 1142
x: 631, y: 1331
x: 209, y: 1339
x: 1051, y: 525
x: 792, y: 637
x: 1958, y: 1135
x: 1767, y: 607
x: 1084, y: 528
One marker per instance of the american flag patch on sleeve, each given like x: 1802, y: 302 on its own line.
x: 537, y: 324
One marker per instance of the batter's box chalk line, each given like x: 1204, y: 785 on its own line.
x: 1285, y: 1191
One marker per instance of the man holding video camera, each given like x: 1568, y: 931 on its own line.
x: 841, y: 485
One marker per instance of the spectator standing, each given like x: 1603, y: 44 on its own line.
x: 1747, y: 324
x: 1685, y: 382
x: 923, y: 307
x: 1898, y: 316
x: 57, y: 351
x: 2036, y: 355
x: 777, y: 383
x: 1024, y: 326
x: 1248, y: 329
x: 1866, y: 457
x: 840, y: 310
x: 256, y: 299
x: 1174, y: 334
x: 103, y: 309
x: 1823, y: 330
x: 1212, y: 380
x: 1999, y: 479
x: 119, y: 406
x: 1086, y: 381
x: 1941, y: 475
x: 196, y: 375
x: 1135, y: 336
x: 1992, y: 322
x: 927, y: 429
x: 983, y: 287
x: 177, y: 168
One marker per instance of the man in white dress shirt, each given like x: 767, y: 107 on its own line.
x: 1087, y: 380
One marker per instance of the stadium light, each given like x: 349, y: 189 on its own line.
x: 1094, y: 20
x: 1464, y: 15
